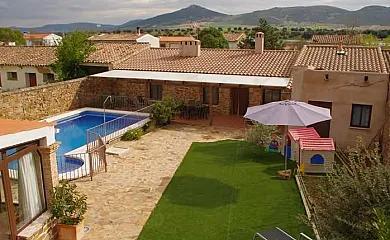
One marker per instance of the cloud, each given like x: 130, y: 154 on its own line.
x: 31, y: 13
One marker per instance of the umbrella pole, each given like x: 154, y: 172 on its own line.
x: 285, y: 148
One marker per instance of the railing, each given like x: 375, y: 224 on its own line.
x: 78, y: 165
x: 343, y: 159
x: 125, y: 103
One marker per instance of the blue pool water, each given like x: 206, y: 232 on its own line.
x: 72, y: 133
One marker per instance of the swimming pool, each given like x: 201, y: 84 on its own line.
x: 71, y: 132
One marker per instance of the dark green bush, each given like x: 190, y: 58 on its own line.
x: 134, y: 134
x: 164, y: 111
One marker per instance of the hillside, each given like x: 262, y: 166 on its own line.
x: 185, y: 15
x: 367, y: 16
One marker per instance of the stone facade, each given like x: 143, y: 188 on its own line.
x: 43, y: 228
x: 36, y: 103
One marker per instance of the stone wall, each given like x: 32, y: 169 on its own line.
x: 43, y: 228
x: 36, y: 103
x: 255, y: 96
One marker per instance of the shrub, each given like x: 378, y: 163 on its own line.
x: 260, y: 134
x: 134, y: 134
x: 164, y: 111
x: 68, y: 205
x: 346, y: 201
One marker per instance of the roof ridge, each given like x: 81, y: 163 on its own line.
x: 382, y: 60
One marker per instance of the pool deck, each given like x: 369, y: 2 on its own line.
x: 121, y: 200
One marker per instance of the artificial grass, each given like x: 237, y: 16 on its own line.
x: 226, y: 190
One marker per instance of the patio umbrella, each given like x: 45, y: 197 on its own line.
x: 288, y: 113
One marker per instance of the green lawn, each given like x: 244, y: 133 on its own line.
x: 226, y: 190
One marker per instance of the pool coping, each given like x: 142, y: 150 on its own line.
x: 84, y: 169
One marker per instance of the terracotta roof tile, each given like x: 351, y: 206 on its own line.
x: 35, y: 35
x: 176, y: 38
x: 10, y: 126
x: 27, y: 56
x: 386, y: 57
x: 113, y: 52
x: 214, y: 61
x: 233, y: 37
x: 116, y: 37
x: 335, y: 39
x: 357, y: 59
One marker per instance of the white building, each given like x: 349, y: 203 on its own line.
x: 42, y: 39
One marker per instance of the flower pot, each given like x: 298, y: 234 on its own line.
x: 70, y: 232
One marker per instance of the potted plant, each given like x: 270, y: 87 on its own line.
x: 69, y: 207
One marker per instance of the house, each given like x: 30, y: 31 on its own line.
x: 42, y: 39
x: 22, y: 67
x: 29, y: 174
x: 352, y: 81
x: 234, y: 39
x: 126, y: 38
x: 336, y: 39
x: 238, y: 78
x: 174, y: 41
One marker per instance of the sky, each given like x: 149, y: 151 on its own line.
x: 31, y: 13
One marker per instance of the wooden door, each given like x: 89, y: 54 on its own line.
x: 323, y: 128
x: 239, y: 100
x: 32, y: 79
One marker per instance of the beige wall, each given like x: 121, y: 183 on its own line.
x: 344, y: 89
x: 305, y: 157
x: 39, y: 102
x: 170, y: 44
x: 22, y: 81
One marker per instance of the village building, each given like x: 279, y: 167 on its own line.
x: 174, y: 41
x: 42, y: 39
x: 336, y: 39
x: 234, y: 39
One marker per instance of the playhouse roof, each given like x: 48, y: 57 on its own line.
x: 299, y: 133
x: 317, y: 144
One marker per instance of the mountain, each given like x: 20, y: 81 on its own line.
x: 186, y: 15
x: 367, y: 16
x: 371, y: 15
x: 70, y: 27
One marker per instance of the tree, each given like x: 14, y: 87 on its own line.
x: 348, y: 195
x: 212, y: 38
x: 10, y: 35
x: 71, y: 53
x: 272, y: 37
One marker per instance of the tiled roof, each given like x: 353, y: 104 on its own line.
x: 317, y: 144
x: 10, y: 126
x: 298, y: 133
x: 116, y: 37
x: 176, y: 38
x: 27, y: 56
x: 335, y: 39
x: 113, y: 52
x: 35, y: 35
x: 214, y: 61
x: 386, y: 56
x: 356, y: 58
x: 233, y: 37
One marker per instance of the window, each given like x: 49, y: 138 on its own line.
x: 271, y: 95
x: 361, y: 115
x: 21, y: 189
x: 12, y: 76
x: 48, y: 77
x: 215, y: 95
x: 156, y: 91
x: 317, y: 159
x: 365, y: 78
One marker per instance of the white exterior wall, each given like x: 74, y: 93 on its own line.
x: 29, y: 43
x: 52, y: 40
x: 233, y: 45
x: 22, y: 81
x: 147, y: 38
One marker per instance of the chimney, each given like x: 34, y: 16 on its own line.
x: 138, y: 31
x: 190, y: 48
x: 259, y: 42
x: 340, y: 49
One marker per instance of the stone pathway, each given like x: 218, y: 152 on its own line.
x: 121, y: 200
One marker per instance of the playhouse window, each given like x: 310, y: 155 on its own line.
x: 317, y: 159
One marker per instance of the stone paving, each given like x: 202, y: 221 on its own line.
x: 121, y: 200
